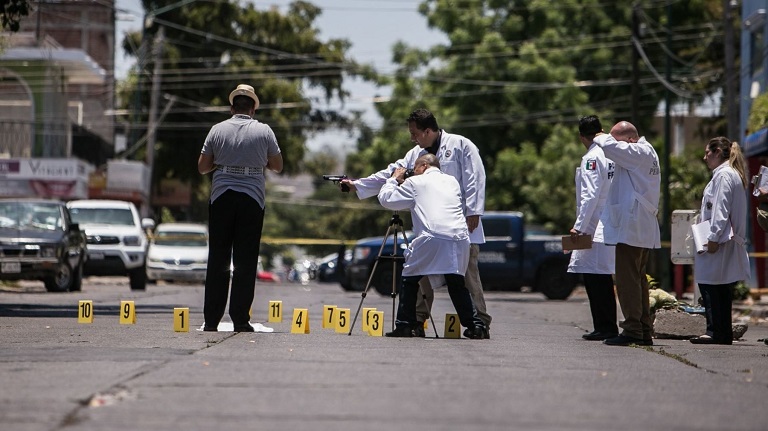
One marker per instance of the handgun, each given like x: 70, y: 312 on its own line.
x: 337, y: 179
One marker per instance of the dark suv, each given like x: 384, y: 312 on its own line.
x: 38, y: 241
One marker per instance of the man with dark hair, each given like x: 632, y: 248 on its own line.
x: 237, y: 151
x: 441, y: 246
x: 593, y: 181
x: 458, y: 157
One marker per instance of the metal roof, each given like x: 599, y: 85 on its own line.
x: 78, y: 66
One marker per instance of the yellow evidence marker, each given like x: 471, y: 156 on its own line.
x: 376, y: 325
x: 329, y: 316
x: 127, y: 313
x: 342, y: 320
x: 181, y: 319
x: 366, y: 323
x: 300, y: 323
x: 85, y: 311
x: 452, y: 326
x: 275, y: 311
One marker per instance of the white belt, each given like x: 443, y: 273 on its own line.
x: 241, y: 170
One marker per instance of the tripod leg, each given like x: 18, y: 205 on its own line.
x: 370, y: 279
x: 429, y: 311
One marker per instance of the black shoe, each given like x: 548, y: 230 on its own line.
x: 599, y: 336
x: 418, y: 330
x: 476, y: 333
x: 244, y: 328
x: 210, y: 329
x: 401, y: 332
x: 487, y: 333
x: 624, y: 340
x: 709, y: 340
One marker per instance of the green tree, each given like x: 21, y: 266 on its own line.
x: 11, y: 12
x: 209, y: 48
x: 516, y: 76
x: 758, y: 116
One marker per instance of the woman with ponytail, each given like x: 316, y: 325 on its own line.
x: 725, y: 261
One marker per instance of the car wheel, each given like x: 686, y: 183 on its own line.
x: 554, y: 280
x: 138, y: 278
x: 77, y: 280
x: 61, y: 281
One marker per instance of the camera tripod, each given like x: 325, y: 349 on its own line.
x: 395, y: 225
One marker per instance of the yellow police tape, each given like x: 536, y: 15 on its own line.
x: 760, y: 255
x: 348, y: 242
x: 306, y: 241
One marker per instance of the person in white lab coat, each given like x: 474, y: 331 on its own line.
x: 725, y: 262
x: 632, y: 206
x: 593, y: 181
x: 441, y: 243
x: 458, y: 157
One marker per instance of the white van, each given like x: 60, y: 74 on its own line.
x: 116, y: 239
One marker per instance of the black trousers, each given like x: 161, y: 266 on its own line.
x: 602, y: 302
x: 718, y: 302
x: 457, y: 290
x: 235, y: 221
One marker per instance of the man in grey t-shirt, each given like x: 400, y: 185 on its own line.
x: 237, y: 151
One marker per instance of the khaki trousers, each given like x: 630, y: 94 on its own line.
x: 472, y: 281
x: 632, y: 290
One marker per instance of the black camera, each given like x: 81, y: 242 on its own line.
x: 408, y: 173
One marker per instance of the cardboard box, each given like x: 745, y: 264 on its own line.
x: 582, y: 242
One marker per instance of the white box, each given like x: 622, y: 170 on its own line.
x: 683, y: 250
x: 127, y: 175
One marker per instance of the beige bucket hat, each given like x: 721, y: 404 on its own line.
x: 244, y: 90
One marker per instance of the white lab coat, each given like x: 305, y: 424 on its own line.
x: 724, y: 204
x: 593, y: 182
x: 441, y: 242
x: 633, y: 199
x: 459, y: 158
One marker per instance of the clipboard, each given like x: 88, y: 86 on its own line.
x: 582, y: 242
x: 760, y: 180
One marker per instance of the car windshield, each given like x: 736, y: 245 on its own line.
x: 110, y: 216
x: 30, y: 215
x: 181, y: 239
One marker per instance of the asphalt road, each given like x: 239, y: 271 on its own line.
x: 535, y: 373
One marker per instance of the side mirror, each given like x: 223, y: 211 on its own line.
x: 74, y: 227
x: 147, y: 224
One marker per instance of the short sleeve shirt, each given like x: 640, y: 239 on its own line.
x: 244, y: 142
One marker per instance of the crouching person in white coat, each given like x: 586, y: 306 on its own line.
x: 441, y: 244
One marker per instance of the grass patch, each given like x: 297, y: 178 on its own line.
x: 676, y: 357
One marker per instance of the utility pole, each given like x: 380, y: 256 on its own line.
x: 731, y: 105
x: 666, y: 253
x: 635, y: 64
x: 157, y: 54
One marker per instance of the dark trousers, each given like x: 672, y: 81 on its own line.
x: 462, y: 301
x: 235, y: 221
x: 718, y: 301
x: 602, y: 302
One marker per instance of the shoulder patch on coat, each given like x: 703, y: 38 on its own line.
x: 591, y: 165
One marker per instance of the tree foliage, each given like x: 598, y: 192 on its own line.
x: 516, y: 76
x: 207, y: 50
x: 11, y: 12
x: 758, y: 116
